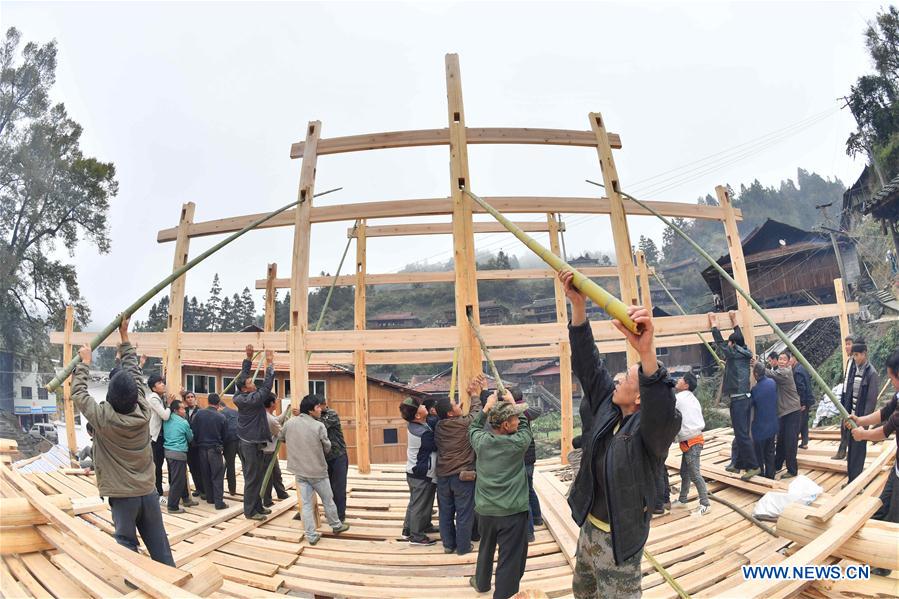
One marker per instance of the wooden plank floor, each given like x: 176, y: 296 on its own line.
x: 704, y: 553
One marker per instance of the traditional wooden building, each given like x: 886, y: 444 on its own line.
x: 387, y: 428
x: 787, y: 266
x: 393, y: 320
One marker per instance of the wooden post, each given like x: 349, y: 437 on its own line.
x: 463, y: 236
x: 565, y: 387
x: 270, y: 294
x: 646, y: 294
x: 363, y: 441
x: 624, y: 257
x: 738, y: 265
x: 67, y: 405
x: 176, y: 302
x: 844, y: 319
x: 299, y: 278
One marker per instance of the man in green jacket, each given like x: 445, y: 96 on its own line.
x: 501, y: 494
x: 178, y: 436
x: 123, y: 459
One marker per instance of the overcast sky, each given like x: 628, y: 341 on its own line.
x: 200, y: 102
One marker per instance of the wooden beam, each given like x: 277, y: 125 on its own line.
x: 18, y: 511
x: 813, y: 553
x: 270, y: 293
x: 738, y: 264
x: 67, y: 404
x: 844, y: 319
x: 447, y: 276
x: 645, y: 293
x: 441, y: 137
x: 443, y: 206
x: 565, y: 385
x: 447, y: 229
x: 466, y: 286
x: 624, y: 259
x: 826, y: 510
x: 299, y: 277
x: 446, y: 337
x: 360, y: 387
x: 176, y: 301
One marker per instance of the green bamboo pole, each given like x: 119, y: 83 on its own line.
x: 666, y: 575
x: 500, y: 390
x: 127, y: 312
x: 318, y: 325
x: 684, y: 312
x: 452, y: 392
x: 777, y: 330
x: 613, y: 306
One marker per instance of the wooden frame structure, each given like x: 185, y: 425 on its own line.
x: 402, y: 346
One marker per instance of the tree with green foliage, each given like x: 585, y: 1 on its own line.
x: 212, y: 314
x: 51, y: 194
x: 649, y: 249
x: 874, y: 99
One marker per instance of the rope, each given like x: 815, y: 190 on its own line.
x: 743, y: 513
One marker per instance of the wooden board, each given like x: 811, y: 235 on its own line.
x: 447, y: 229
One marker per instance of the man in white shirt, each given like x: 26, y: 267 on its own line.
x: 159, y: 413
x: 691, y: 442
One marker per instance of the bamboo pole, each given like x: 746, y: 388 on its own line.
x: 500, y: 389
x: 127, y: 312
x: 452, y: 391
x: 777, y: 330
x: 613, y: 306
x: 318, y: 325
x: 684, y: 312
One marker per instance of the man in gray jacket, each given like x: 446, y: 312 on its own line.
x: 123, y: 459
x: 307, y: 443
x: 788, y: 416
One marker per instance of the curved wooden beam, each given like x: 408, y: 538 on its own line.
x: 442, y: 277
x: 443, y: 206
x: 440, y: 137
x: 447, y: 229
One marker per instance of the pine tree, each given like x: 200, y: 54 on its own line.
x: 225, y: 317
x: 649, y: 249
x: 247, y: 308
x: 214, y: 307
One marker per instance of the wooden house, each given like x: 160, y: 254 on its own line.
x: 387, y: 428
x: 393, y: 320
x: 787, y: 266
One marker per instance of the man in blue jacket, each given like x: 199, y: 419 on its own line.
x: 629, y: 422
x: 806, y: 397
x: 764, y: 421
x: 421, y: 464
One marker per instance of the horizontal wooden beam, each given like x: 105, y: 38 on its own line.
x: 443, y: 206
x: 447, y: 229
x: 440, y: 137
x: 438, y: 338
x: 397, y: 278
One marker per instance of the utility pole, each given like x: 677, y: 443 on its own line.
x: 836, y: 246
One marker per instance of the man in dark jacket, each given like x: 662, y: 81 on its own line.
x: 421, y: 463
x: 788, y: 416
x: 764, y: 419
x: 210, y: 429
x: 629, y: 423
x: 253, y: 432
x: 455, y: 456
x: 806, y: 398
x: 230, y: 449
x: 337, y: 459
x: 860, y: 399
x: 844, y: 432
x: 736, y: 387
x: 535, y: 516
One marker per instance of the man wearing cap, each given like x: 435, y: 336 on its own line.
x: 629, y: 423
x: 859, y: 399
x: 501, y: 493
x: 421, y: 464
x: 736, y: 387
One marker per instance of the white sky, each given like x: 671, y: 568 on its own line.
x: 200, y: 102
